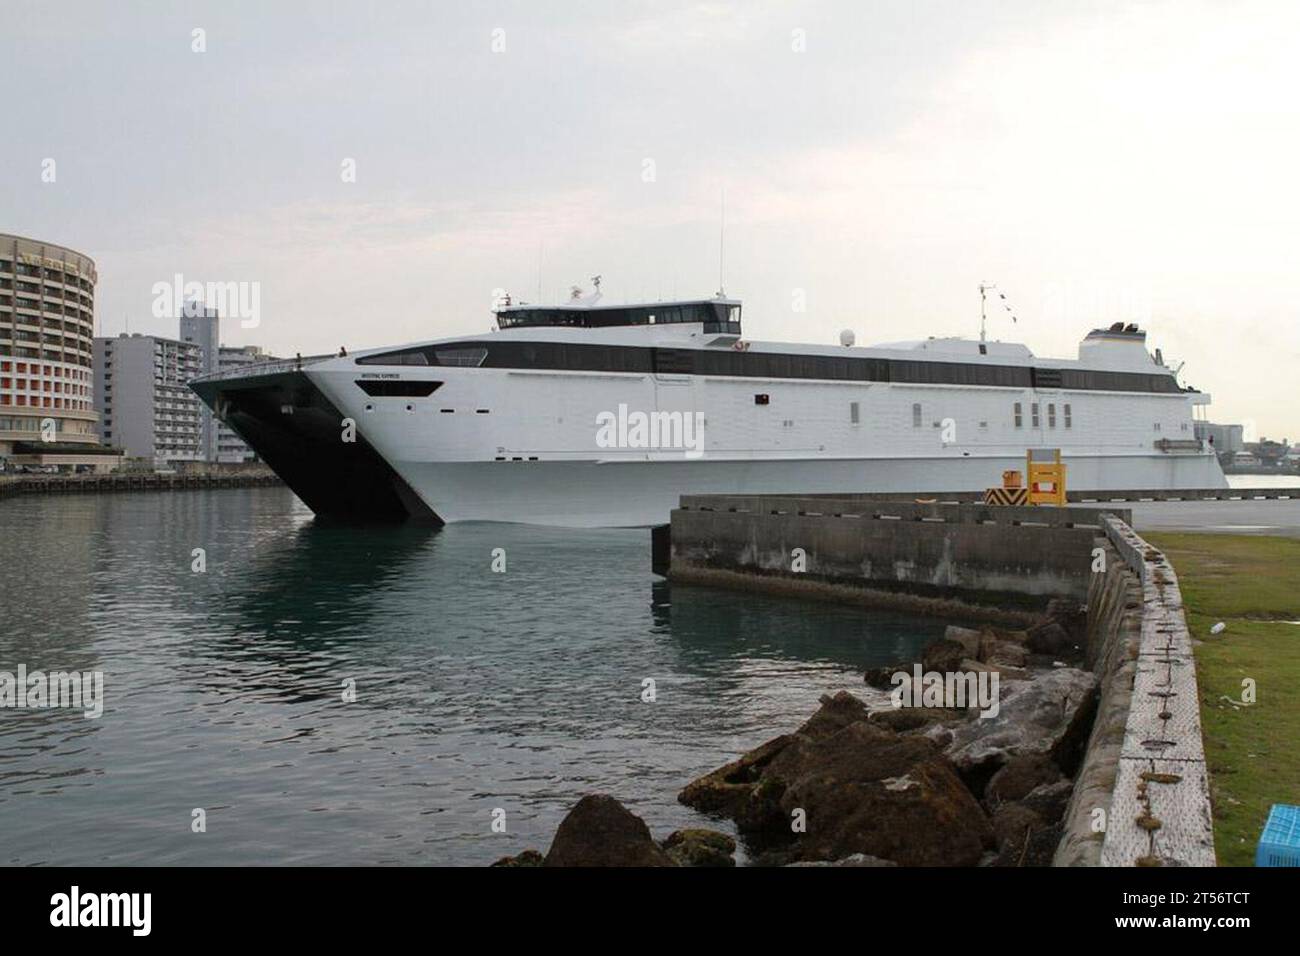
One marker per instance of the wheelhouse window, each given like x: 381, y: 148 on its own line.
x: 470, y: 357
x: 404, y: 357
x: 464, y: 356
x: 715, y: 316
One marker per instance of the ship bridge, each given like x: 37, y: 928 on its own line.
x: 720, y: 316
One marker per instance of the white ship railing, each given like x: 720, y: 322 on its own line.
x: 261, y: 368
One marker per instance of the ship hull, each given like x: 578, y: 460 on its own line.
x: 505, y: 430
x: 616, y: 494
x: 304, y: 439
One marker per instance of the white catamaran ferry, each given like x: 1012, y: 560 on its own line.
x: 593, y: 415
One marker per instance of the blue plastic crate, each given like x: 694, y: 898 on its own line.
x: 1279, y: 844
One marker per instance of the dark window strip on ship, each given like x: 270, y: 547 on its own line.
x: 388, y: 388
x: 567, y: 356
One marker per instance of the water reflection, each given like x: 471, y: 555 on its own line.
x: 474, y: 689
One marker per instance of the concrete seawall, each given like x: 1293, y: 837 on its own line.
x: 1160, y: 811
x: 1141, y: 794
x: 973, y: 554
x: 84, y: 484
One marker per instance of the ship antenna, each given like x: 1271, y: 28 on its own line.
x: 990, y: 287
x: 983, y: 318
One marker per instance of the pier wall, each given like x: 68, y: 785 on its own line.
x: 968, y: 552
x: 1145, y: 761
x: 127, y: 481
x: 1144, y: 765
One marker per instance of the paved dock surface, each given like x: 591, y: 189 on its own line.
x: 1218, y: 517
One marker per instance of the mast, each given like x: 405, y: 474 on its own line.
x: 983, y: 317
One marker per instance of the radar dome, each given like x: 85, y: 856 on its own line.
x: 847, y: 338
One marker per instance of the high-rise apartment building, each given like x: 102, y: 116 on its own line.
x: 142, y: 394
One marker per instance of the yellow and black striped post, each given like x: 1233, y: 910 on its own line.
x: 1006, y: 496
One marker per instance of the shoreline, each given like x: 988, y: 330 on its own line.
x: 15, y: 485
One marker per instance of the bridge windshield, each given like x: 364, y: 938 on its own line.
x: 716, y: 316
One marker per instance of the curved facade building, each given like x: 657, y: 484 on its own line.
x: 47, y: 330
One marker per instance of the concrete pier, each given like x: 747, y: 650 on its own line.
x: 972, y: 553
x: 1141, y: 794
x: 82, y: 484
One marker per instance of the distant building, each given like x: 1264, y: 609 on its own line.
x: 202, y: 329
x: 218, y: 443
x: 230, y: 447
x: 1227, y: 439
x: 47, y: 305
x: 145, y: 404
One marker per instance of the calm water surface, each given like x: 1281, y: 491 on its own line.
x: 475, y: 690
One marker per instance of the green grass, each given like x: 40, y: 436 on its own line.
x: 1252, y: 584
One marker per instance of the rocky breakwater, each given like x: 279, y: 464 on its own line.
x: 934, y: 780
x: 600, y: 831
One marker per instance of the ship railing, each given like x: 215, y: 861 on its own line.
x: 261, y: 368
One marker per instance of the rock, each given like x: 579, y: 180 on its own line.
x: 858, y: 786
x: 527, y: 858
x: 725, y: 790
x: 1034, y: 848
x: 1049, y: 800
x: 600, y: 831
x: 834, y: 715
x: 1018, y: 776
x: 969, y: 639
x: 882, y: 678
x: 1011, y: 822
x: 868, y: 790
x: 1004, y: 671
x: 1024, y: 839
x: 1049, y: 639
x: 1071, y: 615
x: 903, y: 719
x: 855, y: 859
x: 700, y: 847
x: 939, y: 735
x: 1005, y: 653
x: 942, y: 656
x: 1046, y: 715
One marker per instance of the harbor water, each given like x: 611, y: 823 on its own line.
x: 347, y: 695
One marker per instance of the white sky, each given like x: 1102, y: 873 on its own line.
x: 1098, y: 161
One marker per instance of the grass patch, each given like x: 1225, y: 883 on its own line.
x: 1252, y: 584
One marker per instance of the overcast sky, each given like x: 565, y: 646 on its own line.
x: 1098, y: 161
